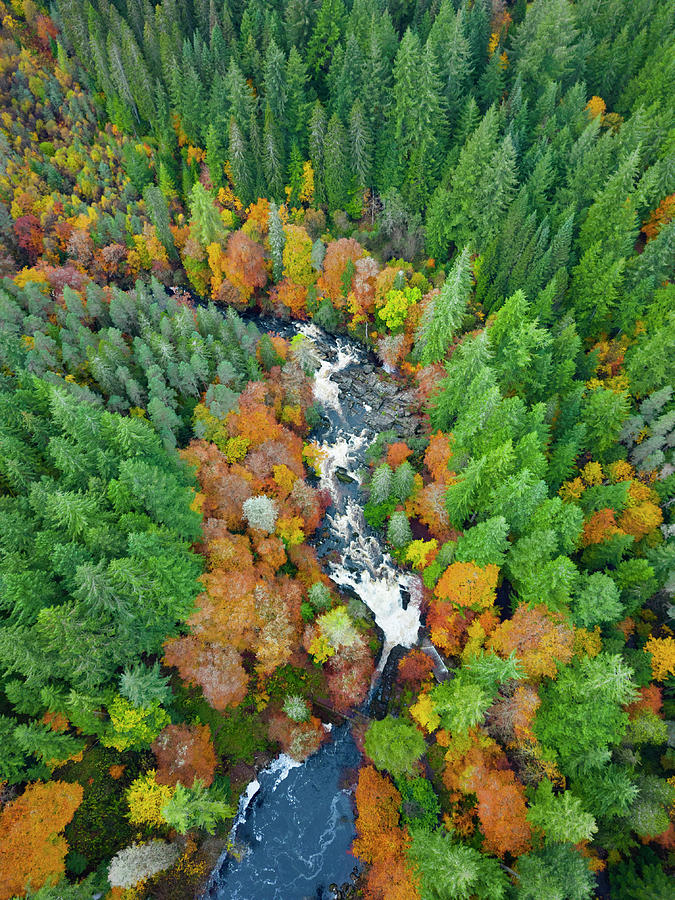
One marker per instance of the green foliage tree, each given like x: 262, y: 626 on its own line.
x: 450, y: 869
x: 394, y: 745
x: 561, y: 817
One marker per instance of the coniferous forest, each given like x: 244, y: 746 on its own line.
x: 196, y: 198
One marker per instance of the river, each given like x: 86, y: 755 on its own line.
x: 296, y: 822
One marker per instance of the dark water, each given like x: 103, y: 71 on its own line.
x: 297, y: 832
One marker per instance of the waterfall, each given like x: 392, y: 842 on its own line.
x: 295, y: 822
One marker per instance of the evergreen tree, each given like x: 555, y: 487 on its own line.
x: 317, y: 142
x: 158, y: 210
x: 336, y: 165
x: 241, y: 164
x: 360, y: 142
x: 277, y: 240
x: 273, y: 155
x: 297, y: 105
x: 275, y: 82
x: 206, y: 219
x: 325, y: 36
x: 444, y: 315
x: 215, y: 155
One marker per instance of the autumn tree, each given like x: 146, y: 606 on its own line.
x: 216, y: 669
x: 380, y: 841
x: 184, y: 753
x: 33, y: 849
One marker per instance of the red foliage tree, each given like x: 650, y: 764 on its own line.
x: 415, y: 667
x: 183, y: 753
x: 244, y: 264
x: 29, y: 236
x: 217, y: 670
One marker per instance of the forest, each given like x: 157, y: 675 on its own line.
x: 480, y: 195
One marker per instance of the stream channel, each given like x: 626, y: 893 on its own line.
x: 296, y: 821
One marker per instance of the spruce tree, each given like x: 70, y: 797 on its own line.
x: 360, y: 142
x: 273, y: 156
x: 205, y: 217
x: 297, y: 106
x: 445, y: 314
x: 241, y: 165
x: 317, y: 141
x: 336, y: 165
x: 275, y: 82
x: 277, y: 241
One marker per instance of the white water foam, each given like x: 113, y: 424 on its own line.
x: 365, y: 568
x: 281, y: 766
x: 325, y: 391
x: 374, y: 578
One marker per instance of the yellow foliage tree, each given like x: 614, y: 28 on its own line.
x: 662, y: 651
x: 424, y: 714
x: 146, y: 798
x: 297, y: 256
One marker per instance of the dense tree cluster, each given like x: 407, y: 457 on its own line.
x: 163, y: 618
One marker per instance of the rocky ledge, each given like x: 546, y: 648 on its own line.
x: 381, y: 404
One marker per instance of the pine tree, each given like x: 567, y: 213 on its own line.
x: 299, y: 22
x: 317, y: 141
x: 491, y: 84
x: 381, y: 485
x: 349, y: 84
x: 399, y: 533
x: 469, y: 180
x: 240, y: 99
x: 275, y: 82
x: 595, y: 287
x: 273, y: 156
x: 158, y: 210
x: 496, y: 191
x: 297, y: 106
x: 325, y: 36
x: 243, y: 174
x: 612, y: 218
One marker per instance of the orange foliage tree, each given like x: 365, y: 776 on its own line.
x: 437, y: 456
x: 183, y: 753
x: 338, y: 254
x: 398, y: 453
x: 475, y: 764
x: 540, y: 638
x: 217, y: 670
x: 32, y: 849
x: 379, y: 839
x: 502, y: 811
x: 467, y: 585
x: 244, y: 264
